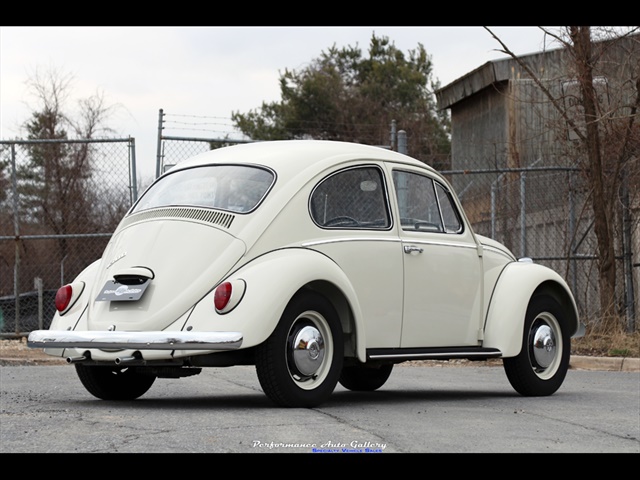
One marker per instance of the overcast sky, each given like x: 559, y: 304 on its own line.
x: 209, y: 71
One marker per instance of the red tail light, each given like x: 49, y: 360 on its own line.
x: 63, y: 297
x: 228, y: 295
x: 222, y: 295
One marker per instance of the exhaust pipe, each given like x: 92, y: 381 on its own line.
x: 121, y: 360
x: 118, y: 361
x: 76, y: 359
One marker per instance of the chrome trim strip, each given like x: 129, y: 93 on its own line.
x: 135, y: 340
x: 456, y: 354
x: 397, y: 240
x: 415, y: 241
x: 352, y: 239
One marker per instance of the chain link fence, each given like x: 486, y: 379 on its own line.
x: 545, y: 214
x: 59, y: 203
x: 539, y: 212
x: 176, y: 149
x: 542, y: 213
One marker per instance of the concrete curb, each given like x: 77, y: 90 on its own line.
x: 607, y: 364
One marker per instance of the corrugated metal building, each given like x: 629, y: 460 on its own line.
x: 501, y: 120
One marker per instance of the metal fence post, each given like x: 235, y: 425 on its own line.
x: 16, y: 232
x: 523, y: 215
x: 37, y: 283
x: 402, y: 142
x: 572, y: 234
x: 392, y: 139
x: 626, y: 255
x: 159, y: 144
x: 134, y: 174
x: 494, y: 188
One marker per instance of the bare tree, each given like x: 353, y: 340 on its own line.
x: 54, y: 183
x: 608, y: 138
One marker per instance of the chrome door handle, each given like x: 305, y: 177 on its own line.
x: 412, y: 249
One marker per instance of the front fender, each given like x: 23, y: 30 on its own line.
x: 504, y: 325
x: 271, y: 281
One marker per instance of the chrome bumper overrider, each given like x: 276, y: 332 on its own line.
x: 135, y: 340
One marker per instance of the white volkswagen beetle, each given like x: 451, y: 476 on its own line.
x: 318, y: 262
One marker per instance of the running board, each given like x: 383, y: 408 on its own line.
x: 431, y: 353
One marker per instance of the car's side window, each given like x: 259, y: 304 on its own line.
x: 425, y: 205
x: 351, y: 198
x: 450, y: 215
x: 417, y: 202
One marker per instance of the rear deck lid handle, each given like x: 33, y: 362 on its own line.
x: 133, y: 275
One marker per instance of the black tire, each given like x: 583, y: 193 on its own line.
x: 114, y: 383
x: 542, y: 364
x: 299, y: 364
x: 363, y: 378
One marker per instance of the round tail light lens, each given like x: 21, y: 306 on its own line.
x: 63, y: 297
x: 222, y: 295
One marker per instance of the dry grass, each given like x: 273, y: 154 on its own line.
x: 607, y: 341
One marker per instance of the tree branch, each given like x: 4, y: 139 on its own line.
x: 561, y: 110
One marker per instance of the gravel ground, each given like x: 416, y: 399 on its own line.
x: 16, y: 352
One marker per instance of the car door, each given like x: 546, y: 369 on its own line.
x: 442, y: 266
x: 352, y: 206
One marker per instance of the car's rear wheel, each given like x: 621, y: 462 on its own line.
x: 542, y: 364
x: 299, y: 364
x: 363, y: 378
x: 114, y: 383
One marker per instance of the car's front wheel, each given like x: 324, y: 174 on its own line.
x: 542, y: 364
x: 299, y: 364
x: 114, y: 383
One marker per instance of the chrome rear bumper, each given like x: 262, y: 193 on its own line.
x: 135, y: 340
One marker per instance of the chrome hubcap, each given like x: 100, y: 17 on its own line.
x: 308, y: 351
x: 544, y: 346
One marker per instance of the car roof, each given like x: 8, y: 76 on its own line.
x: 292, y: 157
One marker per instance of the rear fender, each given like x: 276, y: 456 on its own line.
x: 271, y: 280
x: 73, y: 318
x: 518, y: 282
x: 69, y: 319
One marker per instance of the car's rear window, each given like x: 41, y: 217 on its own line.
x: 236, y: 188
